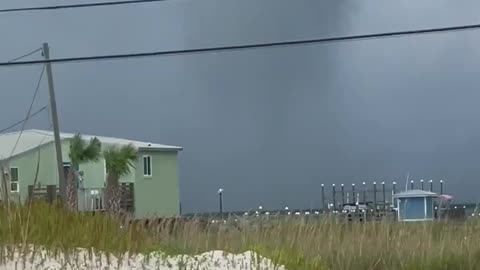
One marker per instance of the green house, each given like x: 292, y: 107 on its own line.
x: 154, y: 176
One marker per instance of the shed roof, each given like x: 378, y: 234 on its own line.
x: 415, y: 193
x: 34, y: 138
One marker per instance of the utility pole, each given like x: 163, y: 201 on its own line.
x: 56, y: 130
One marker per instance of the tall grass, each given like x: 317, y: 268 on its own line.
x: 55, y: 227
x: 296, y: 242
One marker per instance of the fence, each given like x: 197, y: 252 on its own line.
x: 89, y: 199
x: 48, y: 193
x: 127, y: 202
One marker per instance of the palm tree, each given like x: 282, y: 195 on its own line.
x: 80, y: 152
x: 118, y: 162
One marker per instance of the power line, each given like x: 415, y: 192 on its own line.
x: 28, y: 112
x: 23, y: 120
x: 85, y: 5
x: 25, y: 55
x: 248, y: 46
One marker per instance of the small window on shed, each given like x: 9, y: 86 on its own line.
x: 147, y: 166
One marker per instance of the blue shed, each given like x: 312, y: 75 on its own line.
x: 415, y: 205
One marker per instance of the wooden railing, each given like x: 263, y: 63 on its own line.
x: 127, y: 201
x: 50, y: 193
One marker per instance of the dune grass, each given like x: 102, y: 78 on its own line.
x: 296, y: 242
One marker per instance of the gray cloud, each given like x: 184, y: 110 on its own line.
x: 270, y: 125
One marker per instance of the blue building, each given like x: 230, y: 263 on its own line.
x: 415, y: 205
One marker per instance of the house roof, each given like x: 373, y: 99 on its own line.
x: 415, y: 193
x: 34, y: 138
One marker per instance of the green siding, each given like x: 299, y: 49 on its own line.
x: 93, y: 174
x: 157, y: 195
x: 27, y: 167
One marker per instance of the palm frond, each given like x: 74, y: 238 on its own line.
x: 129, y: 153
x: 81, y: 152
x: 119, y: 160
x: 77, y: 146
x: 93, y: 150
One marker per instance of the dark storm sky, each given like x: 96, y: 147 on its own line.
x: 269, y: 126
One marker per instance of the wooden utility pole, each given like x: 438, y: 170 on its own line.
x: 56, y: 130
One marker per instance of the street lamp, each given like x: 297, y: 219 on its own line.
x: 364, y: 193
x: 394, y: 191
x: 384, y: 196
x: 431, y: 185
x: 421, y: 182
x: 412, y: 184
x: 333, y: 193
x: 323, y: 197
x: 353, y: 193
x: 220, y: 201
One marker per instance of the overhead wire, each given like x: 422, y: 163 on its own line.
x: 28, y: 112
x: 23, y: 120
x: 25, y: 55
x: 247, y: 46
x: 83, y: 5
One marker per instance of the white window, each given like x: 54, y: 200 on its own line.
x: 147, y: 166
x: 14, y: 185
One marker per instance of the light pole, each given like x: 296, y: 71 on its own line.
x: 441, y: 186
x: 384, y: 197
x: 323, y: 197
x: 412, y: 184
x: 353, y: 193
x: 364, y: 193
x: 421, y: 182
x: 431, y: 185
x: 343, y: 194
x: 375, y: 196
x: 394, y: 190
x: 333, y: 193
x: 220, y: 201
